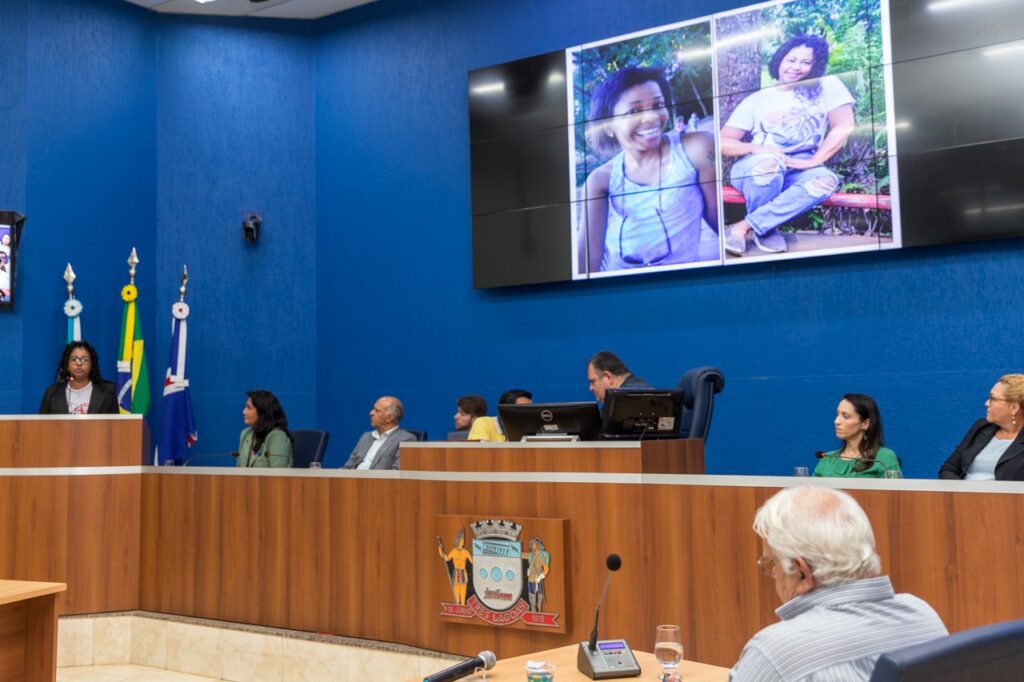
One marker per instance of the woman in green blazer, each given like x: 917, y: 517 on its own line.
x: 859, y: 425
x: 265, y: 442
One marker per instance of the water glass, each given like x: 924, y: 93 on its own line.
x: 803, y: 472
x: 668, y: 646
x: 314, y: 465
x: 893, y: 473
x: 544, y: 672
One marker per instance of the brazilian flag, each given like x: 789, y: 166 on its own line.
x: 132, y: 373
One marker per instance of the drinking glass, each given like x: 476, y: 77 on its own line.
x: 801, y: 471
x: 541, y: 672
x: 314, y: 465
x: 893, y: 473
x: 668, y: 646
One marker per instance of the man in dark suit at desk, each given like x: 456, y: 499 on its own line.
x: 378, y: 449
x: 605, y: 370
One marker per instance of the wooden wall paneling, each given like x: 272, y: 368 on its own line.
x: 422, y: 502
x: 307, y: 535
x: 149, y: 546
x: 36, y: 542
x: 104, y: 515
x: 918, y: 545
x: 244, y: 585
x: 990, y: 543
x: 370, y: 557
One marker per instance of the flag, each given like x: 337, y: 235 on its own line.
x: 132, y: 373
x: 73, y: 309
x: 177, y: 421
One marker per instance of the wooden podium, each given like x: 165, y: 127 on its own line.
x: 28, y: 631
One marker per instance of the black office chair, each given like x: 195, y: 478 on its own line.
x: 420, y: 435
x: 990, y: 653
x: 699, y: 385
x: 308, y: 445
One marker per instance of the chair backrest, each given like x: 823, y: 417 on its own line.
x: 991, y: 652
x: 699, y: 385
x: 308, y: 445
x: 420, y: 435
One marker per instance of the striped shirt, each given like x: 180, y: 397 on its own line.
x: 835, y: 634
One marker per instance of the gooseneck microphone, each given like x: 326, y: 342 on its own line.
x: 614, y: 563
x: 484, y: 660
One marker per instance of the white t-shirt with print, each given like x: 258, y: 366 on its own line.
x: 787, y: 119
x: 79, y: 398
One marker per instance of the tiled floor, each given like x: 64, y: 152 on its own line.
x: 124, y: 673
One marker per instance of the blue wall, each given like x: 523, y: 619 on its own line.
x: 80, y: 139
x: 234, y: 134
x: 926, y: 332
x: 350, y: 136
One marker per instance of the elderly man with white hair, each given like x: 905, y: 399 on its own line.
x: 838, y: 614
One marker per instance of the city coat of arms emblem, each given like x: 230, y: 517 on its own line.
x: 496, y: 579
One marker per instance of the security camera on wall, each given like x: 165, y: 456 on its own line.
x: 251, y: 227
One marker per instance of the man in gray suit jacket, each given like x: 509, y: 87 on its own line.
x: 378, y: 449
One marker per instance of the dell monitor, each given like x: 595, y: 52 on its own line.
x: 550, y: 421
x: 642, y: 413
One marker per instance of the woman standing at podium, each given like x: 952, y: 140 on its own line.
x: 265, y: 442
x: 79, y: 388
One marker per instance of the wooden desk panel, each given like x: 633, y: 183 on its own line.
x: 364, y: 548
x: 649, y: 457
x: 28, y: 631
x: 354, y: 554
x: 72, y: 441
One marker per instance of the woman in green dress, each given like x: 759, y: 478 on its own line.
x: 859, y: 426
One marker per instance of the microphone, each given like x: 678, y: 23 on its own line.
x: 614, y: 563
x: 821, y: 454
x: 484, y: 660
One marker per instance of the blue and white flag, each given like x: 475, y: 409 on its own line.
x: 177, y: 421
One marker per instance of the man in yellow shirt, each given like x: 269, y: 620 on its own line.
x: 487, y: 428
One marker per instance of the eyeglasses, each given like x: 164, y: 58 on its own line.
x: 767, y: 565
x: 993, y: 398
x: 80, y: 360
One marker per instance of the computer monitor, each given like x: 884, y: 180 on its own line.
x: 550, y: 421
x: 641, y: 413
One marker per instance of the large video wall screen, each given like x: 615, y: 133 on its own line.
x: 764, y: 133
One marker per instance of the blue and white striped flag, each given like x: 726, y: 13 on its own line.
x: 177, y: 421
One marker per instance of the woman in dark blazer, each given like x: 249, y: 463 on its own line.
x: 993, y: 448
x: 79, y: 388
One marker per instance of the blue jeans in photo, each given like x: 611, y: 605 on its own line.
x: 775, y: 194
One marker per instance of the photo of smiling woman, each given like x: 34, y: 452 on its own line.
x: 645, y: 204
x: 645, y: 154
x: 803, y: 136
